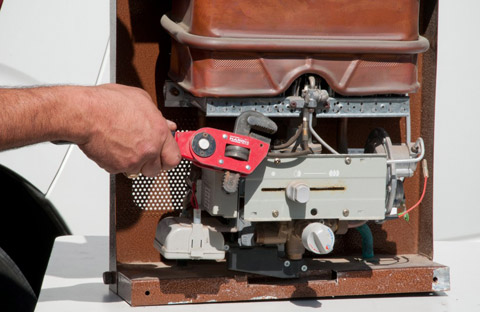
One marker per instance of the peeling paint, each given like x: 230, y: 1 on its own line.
x: 264, y: 298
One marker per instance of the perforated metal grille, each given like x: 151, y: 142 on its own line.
x: 246, y: 64
x: 368, y: 64
x: 163, y: 192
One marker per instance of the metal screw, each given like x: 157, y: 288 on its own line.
x: 286, y: 263
x: 276, y: 161
x: 220, y: 161
x: 346, y: 212
x: 247, y: 167
x: 304, y: 268
x: 225, y: 136
x: 348, y: 160
x: 275, y: 213
x: 226, y: 247
x: 174, y: 92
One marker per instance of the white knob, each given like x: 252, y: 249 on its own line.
x: 298, y: 192
x: 318, y: 238
x: 204, y: 144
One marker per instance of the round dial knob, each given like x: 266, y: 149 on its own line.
x: 318, y: 238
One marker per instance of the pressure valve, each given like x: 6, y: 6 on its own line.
x: 318, y: 238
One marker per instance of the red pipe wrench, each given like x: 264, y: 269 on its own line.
x: 206, y: 148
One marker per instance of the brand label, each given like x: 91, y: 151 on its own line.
x: 236, y: 139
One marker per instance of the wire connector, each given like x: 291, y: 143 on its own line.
x: 425, y: 168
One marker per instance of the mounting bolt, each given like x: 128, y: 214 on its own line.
x: 247, y: 167
x: 220, y: 161
x: 225, y: 136
x: 346, y: 212
x: 286, y: 263
x: 275, y: 213
x: 304, y: 268
x: 174, y: 91
x: 226, y: 247
x: 348, y: 160
x: 276, y: 161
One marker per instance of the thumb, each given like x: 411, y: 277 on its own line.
x: 171, y: 125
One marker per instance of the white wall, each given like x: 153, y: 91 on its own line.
x: 457, y: 122
x: 59, y: 42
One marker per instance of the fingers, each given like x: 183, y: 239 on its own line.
x: 170, y: 155
x: 152, y: 167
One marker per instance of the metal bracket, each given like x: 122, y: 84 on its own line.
x: 263, y: 261
x: 358, y: 107
x: 441, y: 279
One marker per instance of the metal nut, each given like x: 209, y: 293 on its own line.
x: 346, y: 212
x: 348, y: 160
x: 275, y: 213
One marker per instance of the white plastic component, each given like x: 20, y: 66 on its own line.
x: 179, y: 238
x: 298, y: 192
x: 318, y: 238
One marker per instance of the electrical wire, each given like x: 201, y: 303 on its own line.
x: 419, y: 201
x: 425, y: 174
x: 193, y: 198
x: 290, y: 154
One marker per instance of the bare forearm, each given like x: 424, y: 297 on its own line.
x: 35, y: 115
x: 119, y: 127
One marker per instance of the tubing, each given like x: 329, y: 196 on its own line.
x: 367, y: 241
x: 319, y: 139
x: 289, y: 141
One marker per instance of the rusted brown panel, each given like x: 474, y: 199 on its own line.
x: 157, y: 286
x: 213, y: 43
x: 205, y: 73
x: 423, y: 123
x: 344, y: 19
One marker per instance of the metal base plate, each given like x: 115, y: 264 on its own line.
x: 160, y: 283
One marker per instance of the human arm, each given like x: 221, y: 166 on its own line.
x: 118, y: 127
